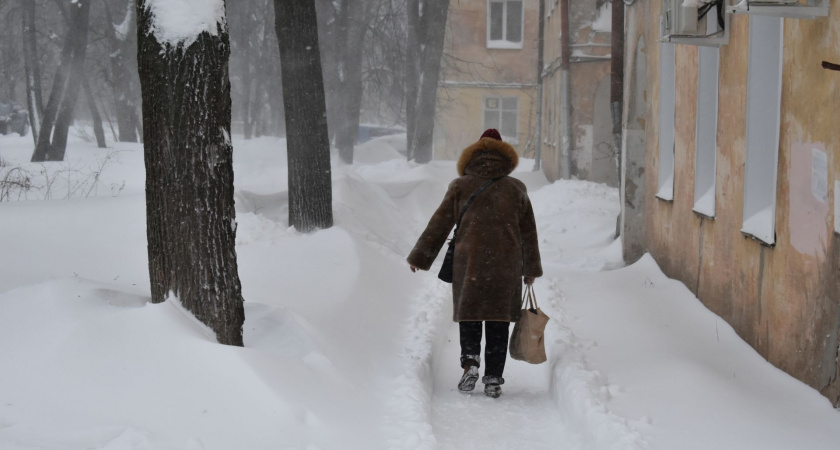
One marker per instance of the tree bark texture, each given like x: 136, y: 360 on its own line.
x: 307, y: 138
x: 434, y: 23
x: 52, y: 138
x: 351, y: 31
x: 32, y: 67
x: 190, y: 213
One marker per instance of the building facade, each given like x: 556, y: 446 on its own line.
x: 731, y: 177
x: 592, y: 153
x: 489, y: 75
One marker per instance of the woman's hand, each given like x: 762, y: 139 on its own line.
x: 528, y: 280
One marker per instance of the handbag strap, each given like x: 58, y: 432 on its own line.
x: 529, y: 298
x: 469, y: 201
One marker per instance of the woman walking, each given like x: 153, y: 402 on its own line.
x: 496, y: 250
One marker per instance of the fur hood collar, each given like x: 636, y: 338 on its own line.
x: 500, y: 160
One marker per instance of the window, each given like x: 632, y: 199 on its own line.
x: 504, y: 23
x: 764, y: 98
x: 667, y: 87
x: 706, y: 140
x: 502, y: 113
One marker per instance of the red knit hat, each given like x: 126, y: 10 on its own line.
x: 492, y: 133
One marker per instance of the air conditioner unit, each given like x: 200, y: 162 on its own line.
x: 694, y: 22
x: 795, y: 9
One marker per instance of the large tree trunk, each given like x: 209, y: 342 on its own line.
x: 328, y: 13
x: 307, y: 139
x: 189, y: 176
x: 32, y: 67
x: 352, y: 30
x: 59, y: 112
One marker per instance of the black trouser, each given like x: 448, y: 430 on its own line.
x: 496, y: 341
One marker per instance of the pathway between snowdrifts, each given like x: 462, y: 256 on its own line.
x: 430, y: 413
x: 524, y: 417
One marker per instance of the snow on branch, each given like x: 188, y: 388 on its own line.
x: 181, y: 21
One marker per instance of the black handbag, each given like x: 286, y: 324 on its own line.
x: 445, y: 273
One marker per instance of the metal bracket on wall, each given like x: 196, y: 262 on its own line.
x: 793, y: 9
x: 681, y: 24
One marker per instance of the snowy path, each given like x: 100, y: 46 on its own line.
x: 524, y: 417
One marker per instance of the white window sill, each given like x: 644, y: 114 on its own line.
x: 504, y: 45
x: 706, y: 204
x: 666, y: 192
x: 760, y: 226
x: 511, y: 140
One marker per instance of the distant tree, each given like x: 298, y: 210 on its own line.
x: 352, y: 24
x: 307, y: 138
x: 426, y: 32
x: 189, y: 175
x: 121, y: 41
x: 58, y: 115
x: 32, y: 66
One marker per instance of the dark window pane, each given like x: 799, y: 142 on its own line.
x: 509, y: 120
x: 491, y: 119
x: 514, y: 21
x: 496, y: 11
x: 510, y: 103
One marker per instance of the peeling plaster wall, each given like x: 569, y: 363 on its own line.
x: 784, y: 300
x: 587, y: 109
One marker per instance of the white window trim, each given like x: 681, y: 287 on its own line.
x: 667, y: 85
x: 504, y: 43
x: 761, y: 224
x: 509, y: 139
x: 704, y: 197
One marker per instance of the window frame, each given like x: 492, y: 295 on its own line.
x: 509, y: 139
x: 705, y: 147
x: 504, y: 43
x: 764, y: 101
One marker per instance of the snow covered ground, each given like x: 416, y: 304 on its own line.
x: 345, y: 347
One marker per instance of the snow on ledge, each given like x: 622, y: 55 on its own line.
x: 181, y: 21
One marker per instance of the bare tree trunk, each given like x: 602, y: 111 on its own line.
x: 95, y: 117
x: 124, y: 90
x: 412, y: 72
x: 434, y: 23
x: 307, y: 138
x: 189, y: 176
x: 352, y: 30
x: 32, y: 67
x: 52, y: 140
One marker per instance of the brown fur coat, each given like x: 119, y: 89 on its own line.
x: 497, y: 240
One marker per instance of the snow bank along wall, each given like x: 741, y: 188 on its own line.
x: 777, y: 281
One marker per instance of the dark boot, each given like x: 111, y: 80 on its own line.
x: 470, y: 376
x: 493, y: 386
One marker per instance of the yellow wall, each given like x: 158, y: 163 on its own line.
x: 459, y: 121
x: 783, y: 300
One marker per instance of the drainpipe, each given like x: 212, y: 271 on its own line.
x: 617, y: 88
x: 565, y: 89
x: 540, y: 45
